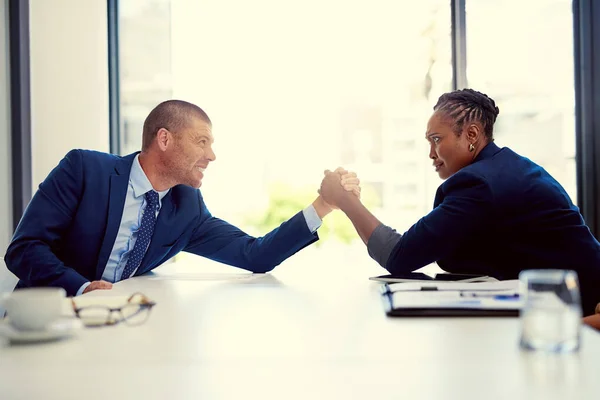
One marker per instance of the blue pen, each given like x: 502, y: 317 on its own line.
x: 514, y: 296
x: 507, y: 297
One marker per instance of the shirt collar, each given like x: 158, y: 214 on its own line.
x: 139, y: 181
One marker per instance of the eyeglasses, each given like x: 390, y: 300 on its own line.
x: 135, y: 312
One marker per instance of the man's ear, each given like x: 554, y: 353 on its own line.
x: 163, y: 138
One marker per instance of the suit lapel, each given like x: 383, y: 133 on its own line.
x: 119, y: 181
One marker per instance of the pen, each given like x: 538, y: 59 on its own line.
x: 514, y: 296
x: 385, y: 288
x: 507, y: 297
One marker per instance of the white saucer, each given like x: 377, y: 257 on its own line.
x: 59, y: 329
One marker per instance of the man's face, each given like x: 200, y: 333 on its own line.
x: 190, y: 153
x: 449, y: 151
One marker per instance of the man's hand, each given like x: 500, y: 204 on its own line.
x: 332, y: 191
x: 98, y: 285
x: 339, y: 186
x: 348, y: 181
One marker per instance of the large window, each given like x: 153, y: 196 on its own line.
x: 521, y: 53
x: 292, y: 89
x: 144, y: 64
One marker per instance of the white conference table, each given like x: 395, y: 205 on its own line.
x: 290, y: 336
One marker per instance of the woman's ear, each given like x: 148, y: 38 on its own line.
x: 473, y: 133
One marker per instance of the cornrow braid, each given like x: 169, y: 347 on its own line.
x: 467, y: 105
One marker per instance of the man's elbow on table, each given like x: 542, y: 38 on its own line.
x: 262, y: 268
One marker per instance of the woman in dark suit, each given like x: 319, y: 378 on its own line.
x: 497, y: 213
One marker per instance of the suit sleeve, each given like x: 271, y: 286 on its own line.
x: 462, y: 214
x: 220, y: 241
x: 30, y: 255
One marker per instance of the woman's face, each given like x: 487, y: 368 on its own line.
x: 449, y: 151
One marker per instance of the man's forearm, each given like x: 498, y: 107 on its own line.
x: 35, y: 264
x: 321, y: 207
x: 364, y: 222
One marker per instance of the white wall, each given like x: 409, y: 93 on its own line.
x: 7, y: 279
x: 5, y: 160
x: 69, y: 80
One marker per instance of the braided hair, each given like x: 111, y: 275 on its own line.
x: 468, y: 105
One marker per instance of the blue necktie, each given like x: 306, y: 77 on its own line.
x: 144, y: 234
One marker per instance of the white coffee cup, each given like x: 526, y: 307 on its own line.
x: 33, y: 309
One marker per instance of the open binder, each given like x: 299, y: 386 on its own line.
x: 452, y: 299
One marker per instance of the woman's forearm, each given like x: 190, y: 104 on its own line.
x: 364, y: 222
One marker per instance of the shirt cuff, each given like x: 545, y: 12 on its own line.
x: 312, y: 218
x: 82, y: 288
x: 382, y: 242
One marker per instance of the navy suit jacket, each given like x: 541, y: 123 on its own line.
x: 68, y: 230
x: 498, y: 216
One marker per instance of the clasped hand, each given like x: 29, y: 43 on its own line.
x: 338, y: 186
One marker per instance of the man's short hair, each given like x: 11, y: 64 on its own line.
x: 173, y: 115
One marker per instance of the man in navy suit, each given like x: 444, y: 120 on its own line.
x: 496, y: 214
x: 99, y: 218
